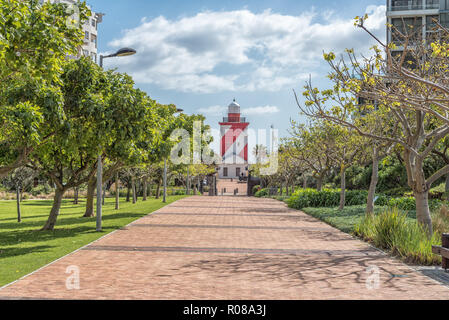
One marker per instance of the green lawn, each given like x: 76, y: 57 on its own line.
x: 23, y: 249
x: 344, y: 220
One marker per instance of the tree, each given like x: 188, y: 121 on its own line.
x: 34, y: 42
x: 69, y: 157
x: 131, y: 130
x: 314, y: 145
x: 405, y: 85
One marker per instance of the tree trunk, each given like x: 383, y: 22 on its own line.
x: 417, y: 182
x: 103, y: 195
x: 319, y: 186
x: 117, y: 192
x: 286, y: 189
x: 447, y: 183
x: 158, y: 190
x: 422, y: 210
x: 76, y: 193
x: 19, y: 214
x: 128, y: 193
x: 373, y: 183
x: 304, y: 183
x: 133, y: 188
x: 343, y: 188
x: 145, y: 189
x: 54, y: 213
x: 91, y: 186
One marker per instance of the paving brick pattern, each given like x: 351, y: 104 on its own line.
x: 228, y: 248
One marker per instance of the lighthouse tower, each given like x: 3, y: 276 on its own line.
x: 234, y: 144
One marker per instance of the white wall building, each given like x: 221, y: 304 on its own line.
x: 418, y: 13
x: 90, y: 29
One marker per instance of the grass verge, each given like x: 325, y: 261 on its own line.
x: 344, y: 220
x: 23, y: 249
x: 390, y: 229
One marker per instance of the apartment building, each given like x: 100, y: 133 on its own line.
x: 417, y: 13
x: 90, y: 29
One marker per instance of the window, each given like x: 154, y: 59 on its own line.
x: 444, y: 5
x: 411, y: 26
x: 225, y: 172
x: 94, y: 57
x: 237, y: 172
x: 94, y: 23
x: 86, y: 35
x: 86, y: 53
x: 432, y: 4
x: 444, y: 19
x: 400, y: 5
x: 93, y: 39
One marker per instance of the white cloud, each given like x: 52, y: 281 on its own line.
x: 254, y: 111
x: 239, y: 50
x: 260, y: 110
x: 213, y: 110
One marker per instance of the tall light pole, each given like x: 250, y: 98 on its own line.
x: 120, y: 53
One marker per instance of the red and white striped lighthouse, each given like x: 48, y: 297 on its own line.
x: 234, y: 144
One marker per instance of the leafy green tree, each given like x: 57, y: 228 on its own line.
x: 69, y: 157
x: 35, y: 40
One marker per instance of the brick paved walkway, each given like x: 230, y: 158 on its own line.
x: 227, y: 248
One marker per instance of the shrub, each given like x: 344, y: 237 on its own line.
x: 404, y: 203
x: 40, y: 189
x: 356, y: 197
x: 261, y: 193
x: 409, y: 203
x: 255, y: 189
x: 381, y: 200
x: 391, y: 230
x: 180, y: 192
x: 440, y: 220
x: 326, y: 198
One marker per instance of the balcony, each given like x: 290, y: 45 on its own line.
x: 408, y: 5
x: 234, y: 119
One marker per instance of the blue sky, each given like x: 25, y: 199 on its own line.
x: 201, y: 54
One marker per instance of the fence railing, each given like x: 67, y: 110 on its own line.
x: 443, y: 251
x: 413, y: 5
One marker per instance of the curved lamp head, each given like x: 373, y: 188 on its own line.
x: 179, y: 110
x: 125, y: 52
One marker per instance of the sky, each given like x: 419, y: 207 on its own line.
x: 201, y: 54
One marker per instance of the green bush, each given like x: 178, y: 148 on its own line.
x: 261, y: 193
x: 327, y: 198
x: 404, y: 203
x: 281, y: 198
x: 180, y: 192
x: 409, y: 203
x: 255, y: 189
x: 381, y: 200
x: 356, y: 197
x: 40, y: 189
x: 392, y: 231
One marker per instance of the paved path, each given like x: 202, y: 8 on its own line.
x: 228, y: 248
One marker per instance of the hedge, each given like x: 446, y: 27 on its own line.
x: 328, y: 198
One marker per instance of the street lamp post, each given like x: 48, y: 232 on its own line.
x: 120, y: 53
x: 165, y: 180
